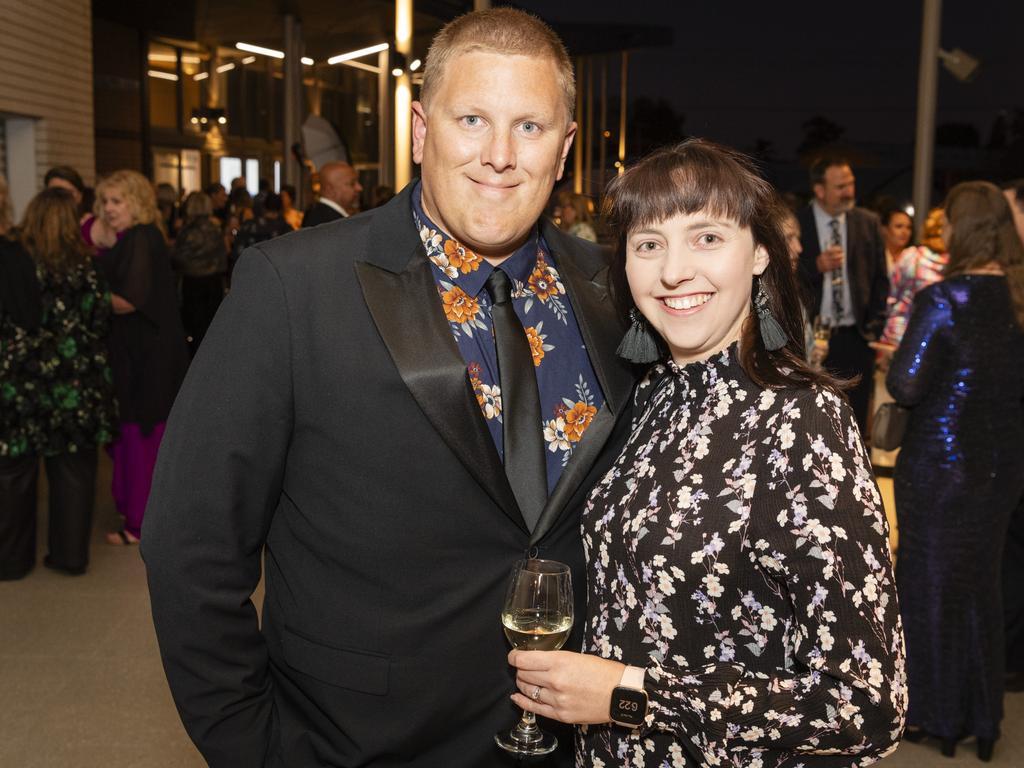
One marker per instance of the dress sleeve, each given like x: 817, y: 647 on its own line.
x: 922, y: 349
x: 818, y: 536
x: 133, y: 274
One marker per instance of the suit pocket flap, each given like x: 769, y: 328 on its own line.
x: 357, y: 670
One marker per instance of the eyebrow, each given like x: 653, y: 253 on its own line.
x: 725, y: 223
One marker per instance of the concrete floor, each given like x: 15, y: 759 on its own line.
x: 81, y: 683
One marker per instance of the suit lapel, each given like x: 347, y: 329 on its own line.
x: 602, y: 328
x: 401, y: 294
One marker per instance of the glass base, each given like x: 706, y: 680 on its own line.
x: 526, y: 742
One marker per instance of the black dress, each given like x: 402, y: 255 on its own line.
x: 738, y: 551
x: 958, y: 477
x: 148, y: 352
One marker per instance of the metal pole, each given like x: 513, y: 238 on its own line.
x: 403, y: 96
x: 927, y: 89
x: 292, y: 82
x: 481, y: 5
x: 622, y: 113
x: 602, y: 157
x: 385, y: 149
x: 577, y: 154
x: 588, y: 134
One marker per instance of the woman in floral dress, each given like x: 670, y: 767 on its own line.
x: 56, y: 396
x: 738, y: 567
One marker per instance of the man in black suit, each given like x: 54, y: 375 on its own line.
x: 339, y: 195
x: 331, y: 430
x: 843, y: 270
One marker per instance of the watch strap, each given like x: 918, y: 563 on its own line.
x: 633, y: 677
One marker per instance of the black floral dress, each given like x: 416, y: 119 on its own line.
x: 56, y: 389
x: 738, y: 551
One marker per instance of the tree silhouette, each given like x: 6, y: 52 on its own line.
x: 819, y: 133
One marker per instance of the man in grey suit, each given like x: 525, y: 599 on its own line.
x: 843, y: 270
x: 333, y: 430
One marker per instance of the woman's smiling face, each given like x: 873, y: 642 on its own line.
x: 691, y: 276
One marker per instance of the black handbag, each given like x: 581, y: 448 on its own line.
x: 889, y: 426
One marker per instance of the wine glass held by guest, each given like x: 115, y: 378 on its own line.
x: 741, y: 605
x: 960, y: 472
x: 58, y: 402
x: 148, y: 352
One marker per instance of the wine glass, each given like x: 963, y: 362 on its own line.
x: 537, y: 616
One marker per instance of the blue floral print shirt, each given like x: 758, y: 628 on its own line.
x: 738, y: 551
x: 570, y: 394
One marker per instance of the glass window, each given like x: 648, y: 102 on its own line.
x: 252, y: 176
x: 191, y: 173
x: 277, y: 175
x: 230, y: 168
x: 162, y: 79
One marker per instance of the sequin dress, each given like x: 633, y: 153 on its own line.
x: 958, y: 478
x: 737, y: 550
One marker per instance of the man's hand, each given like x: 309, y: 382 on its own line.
x: 831, y: 258
x: 569, y: 687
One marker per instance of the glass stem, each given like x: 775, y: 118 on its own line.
x: 527, y: 729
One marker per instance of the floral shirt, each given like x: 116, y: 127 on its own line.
x: 570, y: 394
x: 737, y: 550
x: 56, y: 391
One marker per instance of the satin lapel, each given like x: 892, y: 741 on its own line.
x: 602, y: 329
x: 408, y: 314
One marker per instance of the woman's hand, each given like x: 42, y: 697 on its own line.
x: 564, y: 686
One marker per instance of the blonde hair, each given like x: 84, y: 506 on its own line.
x: 931, y: 238
x: 197, y: 204
x: 6, y: 213
x: 137, y: 190
x: 498, y: 30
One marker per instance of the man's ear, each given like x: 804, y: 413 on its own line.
x: 760, y: 259
x: 419, y: 131
x: 819, y: 191
x: 570, y: 134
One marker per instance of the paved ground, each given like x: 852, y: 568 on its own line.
x: 81, y: 683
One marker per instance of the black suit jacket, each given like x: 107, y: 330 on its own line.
x: 318, y: 213
x: 869, y: 282
x: 327, y: 428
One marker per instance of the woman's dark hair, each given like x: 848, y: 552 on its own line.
x: 889, y: 211
x: 983, y: 232
x: 50, y: 232
x: 699, y: 175
x: 65, y: 173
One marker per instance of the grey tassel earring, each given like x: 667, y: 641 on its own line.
x: 772, y: 335
x: 639, y: 344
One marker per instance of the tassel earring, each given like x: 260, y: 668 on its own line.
x: 639, y: 344
x: 772, y: 335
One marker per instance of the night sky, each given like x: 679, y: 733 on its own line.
x: 747, y: 70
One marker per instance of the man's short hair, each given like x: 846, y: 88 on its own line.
x: 820, y: 164
x: 498, y: 30
x: 272, y: 202
x: 214, y: 188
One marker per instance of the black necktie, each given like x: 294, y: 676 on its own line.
x: 520, y: 404
x: 836, y: 238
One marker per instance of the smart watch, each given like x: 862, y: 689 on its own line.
x: 629, y: 700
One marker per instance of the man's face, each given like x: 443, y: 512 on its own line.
x: 491, y: 146
x: 343, y: 187
x: 1018, y: 211
x: 219, y: 198
x: 837, y: 193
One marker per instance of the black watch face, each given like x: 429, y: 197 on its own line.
x: 629, y: 706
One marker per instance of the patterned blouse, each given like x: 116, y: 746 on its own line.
x: 56, y: 391
x: 738, y: 550
x: 917, y: 268
x: 570, y: 394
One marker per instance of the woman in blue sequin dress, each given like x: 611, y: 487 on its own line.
x: 961, y: 470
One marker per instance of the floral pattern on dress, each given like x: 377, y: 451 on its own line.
x: 56, y: 390
x: 738, y: 551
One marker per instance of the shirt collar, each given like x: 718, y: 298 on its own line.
x: 823, y: 218
x: 462, y: 266
x: 335, y: 206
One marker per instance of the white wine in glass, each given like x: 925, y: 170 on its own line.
x: 537, y: 616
